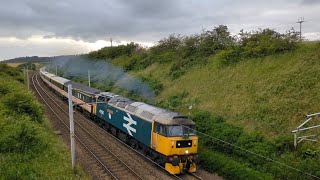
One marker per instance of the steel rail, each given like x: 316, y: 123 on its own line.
x: 83, y: 128
x: 91, y: 152
x: 112, y: 136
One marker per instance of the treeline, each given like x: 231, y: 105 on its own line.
x: 185, y: 52
x: 33, y: 59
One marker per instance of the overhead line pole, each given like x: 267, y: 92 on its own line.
x: 89, y: 78
x: 24, y: 75
x: 73, y: 153
x: 28, y: 78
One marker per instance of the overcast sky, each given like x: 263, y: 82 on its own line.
x: 60, y: 27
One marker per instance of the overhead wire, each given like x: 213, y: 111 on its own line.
x: 256, y: 154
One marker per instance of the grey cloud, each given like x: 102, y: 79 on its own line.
x: 310, y: 2
x: 145, y: 20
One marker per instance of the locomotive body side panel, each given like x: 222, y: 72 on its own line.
x: 126, y: 122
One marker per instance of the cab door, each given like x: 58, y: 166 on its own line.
x: 154, y: 141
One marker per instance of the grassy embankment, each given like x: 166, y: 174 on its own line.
x: 267, y: 97
x: 28, y: 147
x: 250, y: 92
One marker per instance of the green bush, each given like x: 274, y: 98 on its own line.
x: 28, y: 149
x: 6, y: 70
x: 29, y: 66
x: 266, y: 42
x: 21, y: 136
x: 21, y: 103
x: 114, y: 51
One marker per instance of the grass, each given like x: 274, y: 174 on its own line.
x: 28, y: 147
x: 271, y: 95
x: 261, y: 101
x: 253, y: 103
x: 14, y: 64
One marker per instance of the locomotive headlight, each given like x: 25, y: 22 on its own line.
x: 187, y: 152
x: 172, y: 143
x: 195, y: 142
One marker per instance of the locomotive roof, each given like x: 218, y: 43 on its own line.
x: 149, y: 112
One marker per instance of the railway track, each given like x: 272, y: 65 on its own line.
x: 89, y: 124
x: 113, y: 167
x: 193, y: 176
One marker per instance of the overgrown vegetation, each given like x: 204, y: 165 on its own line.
x: 248, y: 90
x: 185, y: 52
x: 27, y: 149
x: 28, y: 65
x: 279, y: 149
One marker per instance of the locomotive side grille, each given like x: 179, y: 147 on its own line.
x: 183, y: 144
x: 147, y: 115
x: 131, y: 108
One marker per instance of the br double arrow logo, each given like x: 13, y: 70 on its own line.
x: 128, y: 125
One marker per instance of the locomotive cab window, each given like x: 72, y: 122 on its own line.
x: 101, y: 98
x: 160, y: 128
x: 179, y: 131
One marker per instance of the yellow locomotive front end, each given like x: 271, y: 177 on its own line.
x: 177, y: 141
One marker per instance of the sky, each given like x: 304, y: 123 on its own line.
x: 63, y: 27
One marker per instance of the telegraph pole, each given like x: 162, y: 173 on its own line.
x: 89, y: 77
x: 28, y: 78
x: 73, y: 152
x: 24, y: 75
x: 300, y: 21
x: 56, y: 70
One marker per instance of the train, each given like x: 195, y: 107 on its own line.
x: 168, y: 138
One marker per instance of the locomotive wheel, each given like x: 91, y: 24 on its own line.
x: 114, y: 131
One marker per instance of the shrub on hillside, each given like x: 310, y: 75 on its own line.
x: 11, y: 71
x: 29, y: 65
x: 171, y: 43
x: 114, y: 51
x: 21, y: 103
x: 266, y: 42
x: 21, y: 136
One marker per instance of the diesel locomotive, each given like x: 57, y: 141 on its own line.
x: 167, y: 137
